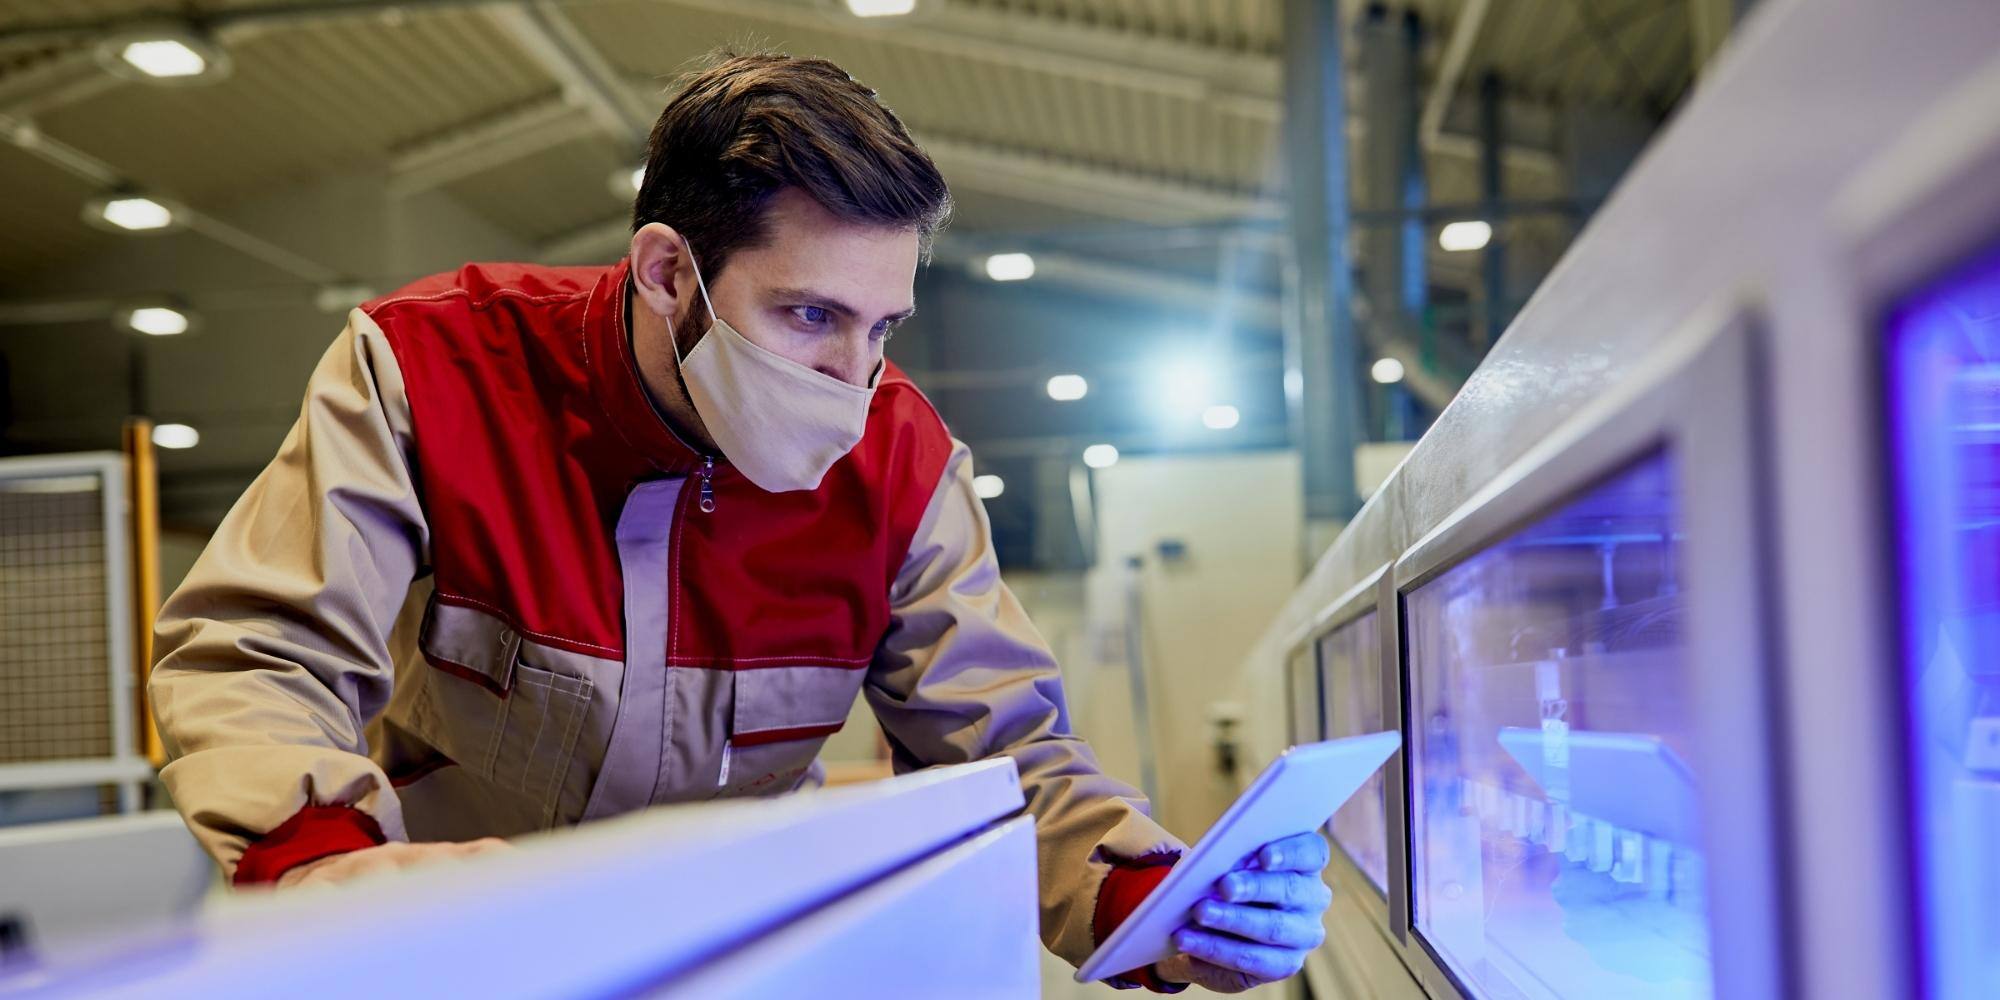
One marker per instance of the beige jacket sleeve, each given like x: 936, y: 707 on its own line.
x: 963, y: 675
x: 273, y: 653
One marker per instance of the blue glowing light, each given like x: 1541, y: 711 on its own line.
x: 1944, y: 418
x: 1556, y: 834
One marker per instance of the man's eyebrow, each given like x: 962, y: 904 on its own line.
x: 808, y: 297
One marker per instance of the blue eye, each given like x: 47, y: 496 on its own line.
x: 811, y: 315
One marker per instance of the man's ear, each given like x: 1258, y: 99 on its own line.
x: 662, y: 274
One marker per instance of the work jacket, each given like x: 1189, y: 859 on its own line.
x: 478, y: 593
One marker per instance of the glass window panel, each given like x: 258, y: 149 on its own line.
x: 1351, y: 661
x: 1944, y: 401
x: 1555, y: 825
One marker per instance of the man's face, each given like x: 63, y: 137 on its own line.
x: 820, y: 291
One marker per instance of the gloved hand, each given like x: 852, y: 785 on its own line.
x: 382, y: 858
x: 1263, y: 919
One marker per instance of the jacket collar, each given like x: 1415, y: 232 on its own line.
x: 614, y: 376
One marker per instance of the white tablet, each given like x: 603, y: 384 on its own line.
x: 1297, y: 794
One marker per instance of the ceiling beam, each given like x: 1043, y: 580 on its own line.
x: 556, y: 44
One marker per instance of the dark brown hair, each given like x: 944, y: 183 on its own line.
x: 747, y: 126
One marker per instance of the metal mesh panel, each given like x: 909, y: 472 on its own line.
x: 55, y: 697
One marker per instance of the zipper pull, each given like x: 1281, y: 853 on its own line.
x: 722, y: 778
x: 708, y: 507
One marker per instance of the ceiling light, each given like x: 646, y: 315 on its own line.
x: 1183, y: 389
x: 158, y: 321
x: 1100, y: 456
x: 164, y: 58
x: 989, y: 486
x: 1068, y: 388
x: 176, y: 436
x: 1387, y: 371
x: 1465, y: 235
x: 339, y: 298
x: 130, y: 213
x: 167, y: 54
x: 880, y: 8
x: 1010, y: 267
x: 1220, y: 417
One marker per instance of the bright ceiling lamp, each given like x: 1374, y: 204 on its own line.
x: 1465, y: 235
x: 131, y: 213
x: 1010, y: 267
x: 175, y: 436
x: 158, y: 321
x: 1220, y: 417
x: 880, y: 8
x: 1068, y: 388
x: 1183, y: 388
x: 1100, y: 456
x: 156, y: 316
x: 164, y: 58
x: 1387, y: 371
x: 988, y: 486
x: 166, y: 54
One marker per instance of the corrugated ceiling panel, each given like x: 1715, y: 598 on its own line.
x: 552, y: 192
x: 303, y: 101
x: 44, y: 227
x: 935, y: 91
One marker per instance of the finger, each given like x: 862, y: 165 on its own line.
x: 1307, y: 852
x: 1289, y: 890
x: 1261, y: 924
x: 1189, y: 969
x: 1260, y: 961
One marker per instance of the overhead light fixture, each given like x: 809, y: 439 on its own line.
x: 340, y: 298
x: 1068, y: 388
x: 1100, y: 456
x: 1220, y: 417
x: 158, y: 321
x: 1465, y: 235
x: 1010, y: 267
x: 880, y: 8
x: 1184, y: 389
x: 167, y: 57
x: 131, y: 213
x: 175, y: 436
x: 168, y: 54
x: 988, y: 486
x: 156, y: 316
x: 624, y: 182
x: 1387, y: 371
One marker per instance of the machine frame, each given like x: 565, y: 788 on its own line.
x: 1714, y: 357
x: 1347, y: 877
x: 1923, y: 208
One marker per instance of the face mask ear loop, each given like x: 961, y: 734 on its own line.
x: 705, y: 303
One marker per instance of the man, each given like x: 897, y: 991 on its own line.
x: 570, y: 542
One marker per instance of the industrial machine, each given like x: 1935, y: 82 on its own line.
x: 1688, y: 607
x: 856, y: 891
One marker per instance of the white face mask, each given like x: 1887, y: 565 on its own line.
x: 781, y: 424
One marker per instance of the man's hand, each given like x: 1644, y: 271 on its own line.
x: 382, y: 858
x: 1263, y: 919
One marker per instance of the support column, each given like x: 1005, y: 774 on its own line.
x: 1322, y: 383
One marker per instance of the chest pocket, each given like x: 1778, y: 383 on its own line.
x: 495, y: 707
x: 780, y: 718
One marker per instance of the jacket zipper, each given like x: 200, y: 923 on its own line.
x: 707, y: 475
